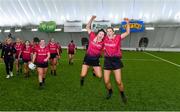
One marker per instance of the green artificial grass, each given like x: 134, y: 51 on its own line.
x: 150, y: 84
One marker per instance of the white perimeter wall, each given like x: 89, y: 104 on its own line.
x: 159, y: 39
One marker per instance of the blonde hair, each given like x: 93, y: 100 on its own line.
x: 6, y: 39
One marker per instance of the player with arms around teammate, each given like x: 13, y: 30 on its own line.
x: 112, y: 61
x: 93, y: 52
x: 7, y: 53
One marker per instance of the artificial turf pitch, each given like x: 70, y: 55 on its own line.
x: 150, y: 84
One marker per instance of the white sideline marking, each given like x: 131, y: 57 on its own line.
x: 140, y: 59
x: 162, y: 59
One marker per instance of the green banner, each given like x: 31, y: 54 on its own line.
x: 47, y: 26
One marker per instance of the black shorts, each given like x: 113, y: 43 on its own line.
x: 53, y: 55
x: 25, y: 60
x: 112, y: 63
x: 91, y: 61
x: 42, y: 65
x: 71, y: 52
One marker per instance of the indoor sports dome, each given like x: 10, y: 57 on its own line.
x: 153, y: 39
x: 161, y: 19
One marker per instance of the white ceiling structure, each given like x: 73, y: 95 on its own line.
x: 25, y: 12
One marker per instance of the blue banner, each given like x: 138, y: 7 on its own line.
x: 135, y: 26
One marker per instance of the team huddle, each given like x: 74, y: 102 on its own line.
x: 39, y: 54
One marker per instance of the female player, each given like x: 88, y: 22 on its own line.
x: 7, y: 53
x: 26, y: 57
x: 71, y: 51
x: 41, y: 57
x: 112, y: 62
x: 60, y: 52
x: 93, y: 52
x: 18, y: 46
x: 54, y: 54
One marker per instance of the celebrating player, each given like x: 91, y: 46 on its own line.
x: 93, y: 52
x: 112, y: 62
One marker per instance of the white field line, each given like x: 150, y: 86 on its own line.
x: 162, y: 59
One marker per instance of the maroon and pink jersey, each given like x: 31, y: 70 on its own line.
x: 94, y: 48
x: 26, y: 53
x: 112, y: 47
x: 53, y: 47
x: 71, y: 47
x: 34, y: 47
x: 41, y: 54
x: 18, y: 48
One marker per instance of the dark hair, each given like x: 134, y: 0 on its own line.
x: 110, y: 28
x: 71, y: 41
x: 101, y: 30
x: 36, y: 39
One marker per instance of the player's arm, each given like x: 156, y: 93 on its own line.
x: 34, y: 57
x: 48, y: 56
x: 60, y: 49
x: 19, y: 54
x: 58, y: 52
x: 123, y: 35
x: 88, y: 26
x: 14, y: 51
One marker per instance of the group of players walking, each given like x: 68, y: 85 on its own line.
x: 37, y: 52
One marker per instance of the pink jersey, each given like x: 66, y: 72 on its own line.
x: 53, y: 47
x: 18, y: 48
x: 26, y: 53
x: 71, y: 47
x: 94, y: 48
x: 112, y: 47
x: 34, y: 47
x: 41, y: 54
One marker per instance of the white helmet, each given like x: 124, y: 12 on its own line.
x: 32, y: 66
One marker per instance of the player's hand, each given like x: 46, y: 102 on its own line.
x: 45, y: 60
x: 58, y: 56
x: 127, y: 20
x: 93, y: 17
x: 30, y: 62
